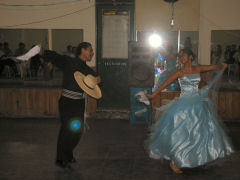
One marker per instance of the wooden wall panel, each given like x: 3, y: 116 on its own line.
x: 157, y: 102
x: 91, y: 105
x: 236, y: 105
x: 14, y: 101
x: 227, y: 103
x: 51, y: 101
x: 221, y: 104
x: 43, y: 102
x: 29, y: 102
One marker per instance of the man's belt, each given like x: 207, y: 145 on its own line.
x: 72, y: 94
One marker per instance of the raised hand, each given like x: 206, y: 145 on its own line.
x: 98, y: 79
x: 41, y: 49
x: 32, y: 52
x: 222, y: 65
x: 149, y: 96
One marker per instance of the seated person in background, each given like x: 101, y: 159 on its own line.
x: 35, y: 64
x: 8, y: 62
x: 1, y: 50
x: 5, y: 59
x: 69, y: 51
x: 20, y: 50
x: 7, y: 51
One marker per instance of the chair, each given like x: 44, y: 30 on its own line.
x: 24, y: 68
x: 7, y: 71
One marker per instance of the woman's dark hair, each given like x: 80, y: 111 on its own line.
x: 188, y: 52
x: 83, y: 45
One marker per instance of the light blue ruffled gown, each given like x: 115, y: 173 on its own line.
x: 188, y: 132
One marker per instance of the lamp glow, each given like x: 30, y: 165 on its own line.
x: 172, y: 23
x: 155, y: 40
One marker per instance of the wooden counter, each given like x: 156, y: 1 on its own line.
x: 33, y: 102
x: 43, y: 102
x: 30, y: 99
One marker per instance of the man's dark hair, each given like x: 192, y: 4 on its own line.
x: 83, y: 45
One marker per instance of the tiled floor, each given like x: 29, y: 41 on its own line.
x: 113, y: 149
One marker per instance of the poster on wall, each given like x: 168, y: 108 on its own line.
x: 115, y: 33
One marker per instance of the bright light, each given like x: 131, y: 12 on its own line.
x: 155, y: 40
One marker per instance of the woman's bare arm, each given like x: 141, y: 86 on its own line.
x: 203, y: 68
x: 170, y: 79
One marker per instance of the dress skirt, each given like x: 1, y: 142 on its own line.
x: 188, y: 133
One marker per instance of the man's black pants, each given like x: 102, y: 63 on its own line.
x: 72, y: 119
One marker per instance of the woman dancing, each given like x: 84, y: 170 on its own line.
x: 188, y: 133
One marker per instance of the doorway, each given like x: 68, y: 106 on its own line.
x: 114, y: 29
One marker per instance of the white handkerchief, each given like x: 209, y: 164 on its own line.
x: 32, y: 52
x: 142, y: 98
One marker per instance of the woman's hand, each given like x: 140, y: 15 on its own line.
x: 98, y: 79
x: 41, y: 49
x: 149, y: 96
x: 222, y: 65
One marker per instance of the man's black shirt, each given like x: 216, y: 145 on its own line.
x: 68, y: 65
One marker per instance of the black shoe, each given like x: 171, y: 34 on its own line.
x: 63, y: 164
